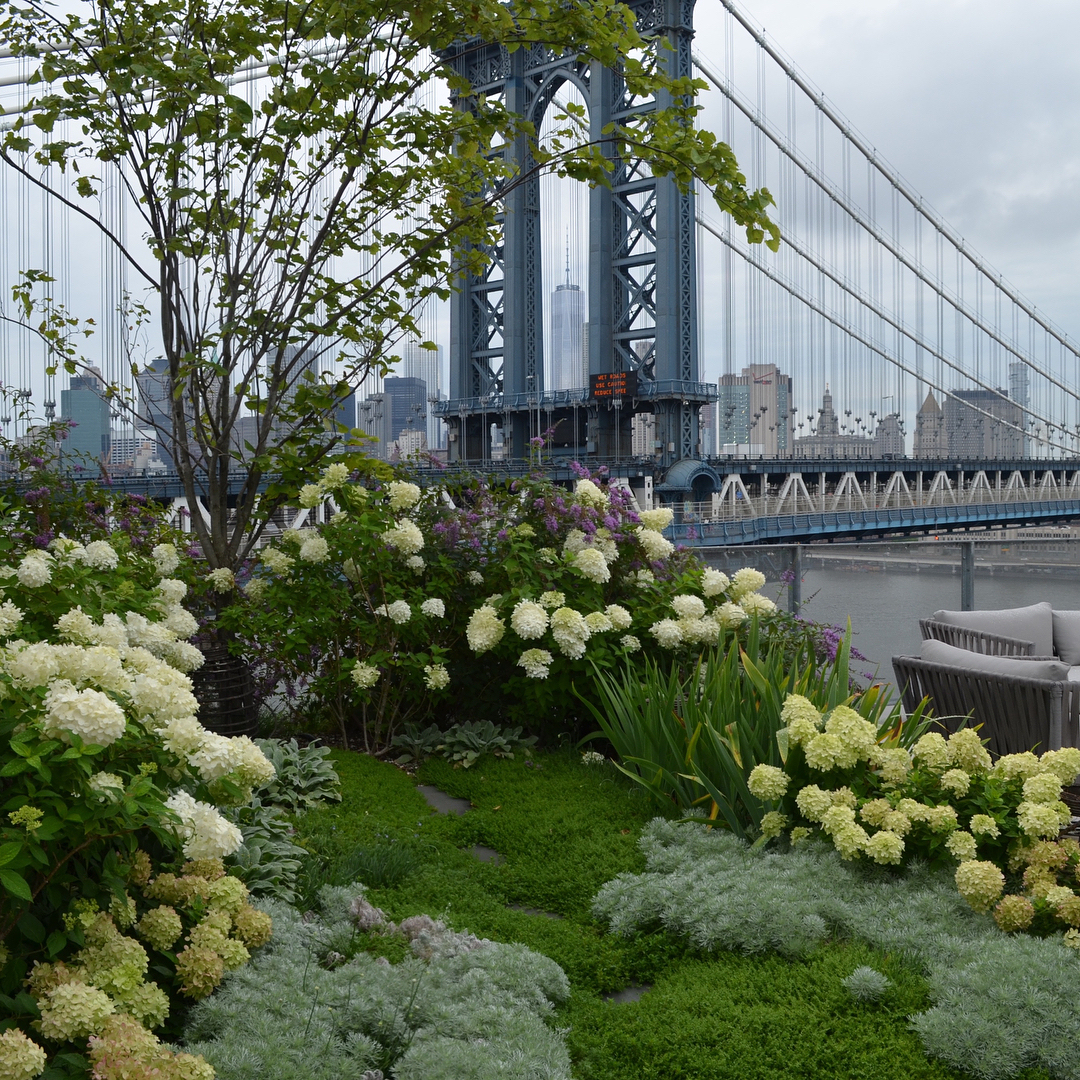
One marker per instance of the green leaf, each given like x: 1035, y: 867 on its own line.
x: 8, y: 851
x: 15, y: 884
x: 56, y: 943
x: 32, y: 929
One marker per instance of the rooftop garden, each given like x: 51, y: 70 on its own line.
x: 593, y: 810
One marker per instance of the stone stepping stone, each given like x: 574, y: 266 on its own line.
x: 487, y: 854
x: 628, y: 993
x: 525, y: 910
x: 439, y: 800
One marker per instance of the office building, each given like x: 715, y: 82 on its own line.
x: 754, y: 409
x: 983, y: 424
x: 930, y: 438
x: 426, y: 365
x: 85, y: 405
x: 568, y: 363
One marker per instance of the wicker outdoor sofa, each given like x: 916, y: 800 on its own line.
x: 1016, y: 672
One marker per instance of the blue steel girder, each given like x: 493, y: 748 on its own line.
x: 803, y: 528
x: 642, y: 279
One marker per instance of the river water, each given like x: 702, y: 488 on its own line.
x: 885, y: 606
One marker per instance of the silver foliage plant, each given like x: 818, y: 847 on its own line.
x: 1001, y: 1004
x: 460, y: 1009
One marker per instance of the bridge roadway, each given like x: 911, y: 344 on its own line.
x: 758, y: 501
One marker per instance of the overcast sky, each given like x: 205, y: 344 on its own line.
x: 974, y: 102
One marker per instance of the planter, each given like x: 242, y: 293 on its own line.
x: 225, y: 691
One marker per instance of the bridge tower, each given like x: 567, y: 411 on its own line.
x: 642, y: 305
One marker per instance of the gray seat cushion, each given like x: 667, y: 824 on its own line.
x: 938, y: 652
x: 1034, y: 623
x: 1067, y: 636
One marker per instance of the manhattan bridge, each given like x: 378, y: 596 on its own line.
x: 874, y: 375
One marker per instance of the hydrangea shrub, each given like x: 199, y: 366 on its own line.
x: 940, y: 798
x: 110, y: 783
x: 408, y: 604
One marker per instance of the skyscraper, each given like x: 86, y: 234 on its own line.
x: 426, y: 365
x: 85, y: 405
x: 567, y: 334
x: 755, y: 412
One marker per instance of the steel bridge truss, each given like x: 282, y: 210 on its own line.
x: 642, y: 313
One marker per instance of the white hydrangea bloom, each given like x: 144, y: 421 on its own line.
x: 570, y: 631
x: 756, y: 604
x: 398, y: 612
x: 475, y: 577
x: 365, y: 675
x: 35, y: 570
x: 552, y: 600
x: 112, y: 633
x: 403, y: 496
x: 276, y: 561
x: 656, y: 546
x: 32, y: 665
x: 619, y: 616
x: 315, y: 550
x: 222, y: 580
x: 575, y: 541
x: 255, y: 589
x: 182, y: 736
x: 76, y: 625
x: 485, y: 629
x: 100, y: 555
x: 598, y: 622
x: 250, y: 764
x: 94, y: 664
x: 590, y: 563
x: 10, y: 617
x: 434, y: 607
x: 90, y: 714
x: 713, y: 582
x: 20, y: 1057
x: 165, y: 558
x: 730, y: 615
x: 529, y: 620
x: 536, y: 662
x: 184, y: 656
x: 310, y: 496
x: 630, y: 643
x: 700, y: 631
x: 160, y: 692
x: 108, y: 785
x: 657, y: 520
x: 406, y: 537
x: 66, y: 550
x: 589, y: 494
x: 141, y: 632
x: 746, y: 580
x: 171, y: 590
x: 688, y: 607
x: 667, y: 632
x: 415, y: 563
x: 334, y: 475
x: 436, y: 677
x: 180, y: 621
x: 206, y: 834
x: 213, y: 759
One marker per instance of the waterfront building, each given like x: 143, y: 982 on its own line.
x: 829, y: 442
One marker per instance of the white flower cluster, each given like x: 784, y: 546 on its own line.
x: 485, y: 629
x: 591, y: 564
x: 589, y: 494
x: 655, y: 544
x: 398, y: 612
x: 35, y: 570
x: 165, y: 559
x: 100, y: 555
x: 221, y: 580
x: 276, y: 561
x: 405, y: 537
x: 365, y: 676
x: 434, y: 608
x: 314, y: 549
x: 91, y: 715
x: 657, y: 520
x: 436, y: 677
x: 206, y: 834
x: 536, y: 662
x: 403, y: 496
x: 10, y: 617
x: 529, y: 620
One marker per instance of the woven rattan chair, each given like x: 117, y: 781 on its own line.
x: 975, y: 640
x: 1017, y: 714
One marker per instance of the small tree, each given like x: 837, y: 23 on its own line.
x: 318, y: 211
